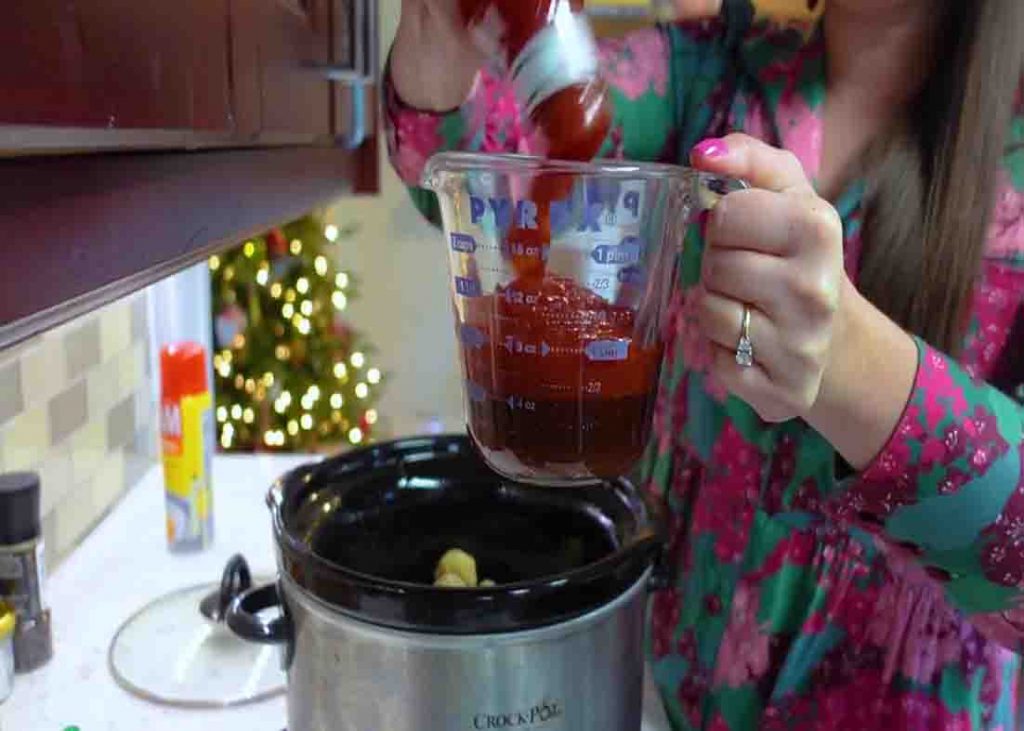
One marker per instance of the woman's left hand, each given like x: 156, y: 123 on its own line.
x: 777, y: 248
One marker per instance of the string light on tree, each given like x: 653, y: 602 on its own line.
x: 285, y: 353
x: 227, y: 436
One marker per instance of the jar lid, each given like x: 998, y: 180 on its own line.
x: 7, y: 620
x: 363, y: 532
x: 19, y: 507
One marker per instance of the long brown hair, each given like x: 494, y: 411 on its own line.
x: 932, y: 184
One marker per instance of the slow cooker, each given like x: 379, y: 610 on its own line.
x: 369, y: 644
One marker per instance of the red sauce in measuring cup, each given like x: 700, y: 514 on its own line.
x: 556, y: 381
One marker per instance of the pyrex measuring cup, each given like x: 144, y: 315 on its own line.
x: 561, y: 275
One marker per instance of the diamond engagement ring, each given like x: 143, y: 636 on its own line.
x: 745, y: 349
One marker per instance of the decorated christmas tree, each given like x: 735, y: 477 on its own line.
x: 290, y: 373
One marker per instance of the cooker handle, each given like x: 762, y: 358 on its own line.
x: 243, y: 616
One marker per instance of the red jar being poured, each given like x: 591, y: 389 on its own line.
x: 551, y: 56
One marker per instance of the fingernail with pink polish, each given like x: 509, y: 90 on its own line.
x: 712, y: 148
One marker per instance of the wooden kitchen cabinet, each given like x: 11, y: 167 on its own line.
x: 99, y: 75
x: 115, y: 64
x: 137, y: 138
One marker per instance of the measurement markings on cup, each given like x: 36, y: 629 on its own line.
x: 514, y: 345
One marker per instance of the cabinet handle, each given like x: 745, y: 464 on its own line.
x: 365, y: 61
x: 364, y: 69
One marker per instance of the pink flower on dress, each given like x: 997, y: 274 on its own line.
x: 801, y: 130
x: 995, y: 307
x: 666, y: 607
x: 416, y: 138
x: 718, y: 724
x: 727, y: 498
x: 911, y: 427
x: 743, y: 654
x: 912, y: 622
x: 942, y: 396
x: 796, y: 549
x: 637, y: 63
x: 493, y: 110
x: 1006, y: 234
x: 696, y: 349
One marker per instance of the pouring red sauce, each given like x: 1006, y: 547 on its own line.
x: 557, y: 382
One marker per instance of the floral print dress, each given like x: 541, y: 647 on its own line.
x: 808, y: 597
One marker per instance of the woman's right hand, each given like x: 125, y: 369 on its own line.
x: 433, y: 60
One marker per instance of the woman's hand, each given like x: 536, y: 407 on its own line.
x: 777, y: 248
x: 433, y: 60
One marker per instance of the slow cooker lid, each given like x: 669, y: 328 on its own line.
x: 363, y: 531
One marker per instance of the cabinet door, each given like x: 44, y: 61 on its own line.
x: 115, y: 64
x: 278, y: 45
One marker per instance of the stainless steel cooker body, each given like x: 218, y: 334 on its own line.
x: 348, y: 675
x: 556, y: 645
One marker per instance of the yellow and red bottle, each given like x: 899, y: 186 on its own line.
x: 186, y: 426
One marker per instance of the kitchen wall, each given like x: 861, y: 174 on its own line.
x: 75, y: 406
x: 404, y: 307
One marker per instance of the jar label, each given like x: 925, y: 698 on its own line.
x: 562, y: 54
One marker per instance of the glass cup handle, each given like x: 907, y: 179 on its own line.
x: 709, y: 189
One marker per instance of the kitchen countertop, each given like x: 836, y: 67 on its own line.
x: 123, y: 565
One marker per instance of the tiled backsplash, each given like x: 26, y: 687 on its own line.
x: 76, y: 405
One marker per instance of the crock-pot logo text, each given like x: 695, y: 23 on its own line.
x: 540, y: 714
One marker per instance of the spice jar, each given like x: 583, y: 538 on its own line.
x: 7, y: 624
x: 21, y: 569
